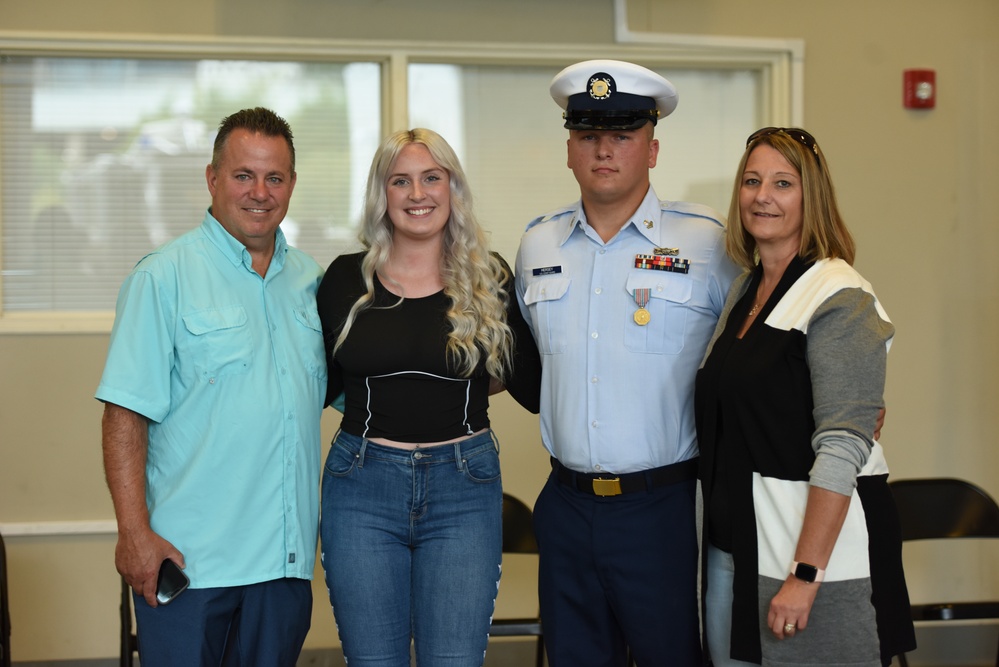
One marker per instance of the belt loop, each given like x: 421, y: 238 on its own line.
x: 492, y: 434
x: 458, y: 463
x: 360, y: 452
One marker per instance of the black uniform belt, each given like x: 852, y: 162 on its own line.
x: 608, y: 484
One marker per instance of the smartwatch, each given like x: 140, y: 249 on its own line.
x: 807, y: 573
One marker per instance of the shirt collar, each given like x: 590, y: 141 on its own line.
x: 646, y: 219
x: 235, y: 251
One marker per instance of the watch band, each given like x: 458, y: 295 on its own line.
x: 807, y: 573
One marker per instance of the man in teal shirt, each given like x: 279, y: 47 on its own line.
x: 213, y: 389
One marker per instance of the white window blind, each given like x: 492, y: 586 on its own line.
x: 103, y: 159
x: 103, y: 144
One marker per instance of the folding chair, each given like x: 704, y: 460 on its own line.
x: 945, y: 508
x: 518, y: 538
x: 128, y: 640
x: 4, y: 609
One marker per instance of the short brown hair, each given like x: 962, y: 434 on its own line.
x: 257, y: 120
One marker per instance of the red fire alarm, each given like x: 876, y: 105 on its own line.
x: 920, y: 89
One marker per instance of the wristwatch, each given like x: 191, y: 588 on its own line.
x: 807, y: 573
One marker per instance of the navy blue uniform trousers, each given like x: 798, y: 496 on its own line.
x: 618, y: 572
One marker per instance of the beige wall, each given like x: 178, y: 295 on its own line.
x: 912, y: 184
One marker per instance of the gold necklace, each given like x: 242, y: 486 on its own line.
x: 759, y: 302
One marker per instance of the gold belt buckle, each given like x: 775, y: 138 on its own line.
x: 607, y: 487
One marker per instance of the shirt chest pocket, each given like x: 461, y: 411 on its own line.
x: 309, y: 330
x: 669, y: 297
x: 220, y: 342
x: 547, y: 300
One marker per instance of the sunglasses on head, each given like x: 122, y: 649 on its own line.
x: 796, y: 133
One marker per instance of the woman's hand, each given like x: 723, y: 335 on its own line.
x: 789, y: 609
x: 824, y: 516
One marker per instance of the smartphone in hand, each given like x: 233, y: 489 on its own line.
x: 171, y: 582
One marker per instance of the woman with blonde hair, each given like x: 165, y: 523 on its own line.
x: 420, y: 328
x: 802, y: 540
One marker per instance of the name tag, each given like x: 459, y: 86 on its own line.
x: 547, y: 270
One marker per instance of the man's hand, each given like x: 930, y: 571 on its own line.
x: 138, y: 556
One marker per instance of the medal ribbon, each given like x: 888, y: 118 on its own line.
x: 662, y: 263
x: 642, y: 295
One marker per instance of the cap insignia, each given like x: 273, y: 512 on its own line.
x: 601, y: 86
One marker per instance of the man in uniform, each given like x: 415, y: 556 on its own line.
x: 623, y: 292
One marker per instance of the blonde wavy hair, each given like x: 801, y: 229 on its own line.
x: 472, y: 276
x: 824, y: 234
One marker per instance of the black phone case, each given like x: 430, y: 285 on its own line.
x: 171, y: 582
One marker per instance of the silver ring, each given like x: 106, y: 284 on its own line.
x: 790, y: 627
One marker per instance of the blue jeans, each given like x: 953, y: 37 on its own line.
x: 411, y: 546
x: 718, y: 604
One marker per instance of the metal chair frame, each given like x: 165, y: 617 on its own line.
x: 946, y: 508
x: 5, y: 658
x: 128, y: 641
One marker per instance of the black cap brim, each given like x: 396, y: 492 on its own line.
x: 600, y: 119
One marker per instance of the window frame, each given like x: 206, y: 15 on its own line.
x: 779, y: 64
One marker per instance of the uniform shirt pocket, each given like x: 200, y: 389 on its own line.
x: 546, y: 299
x: 220, y: 342
x: 669, y: 294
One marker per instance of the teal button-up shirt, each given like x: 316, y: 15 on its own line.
x: 229, y: 368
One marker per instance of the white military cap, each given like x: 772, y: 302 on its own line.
x: 611, y: 95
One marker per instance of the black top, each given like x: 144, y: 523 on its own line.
x: 758, y: 391
x: 393, y: 368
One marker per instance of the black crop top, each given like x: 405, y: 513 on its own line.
x: 393, y: 368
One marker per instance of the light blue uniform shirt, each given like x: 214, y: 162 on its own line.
x: 229, y: 368
x: 616, y: 396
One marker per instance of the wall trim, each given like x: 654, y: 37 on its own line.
x: 59, y: 528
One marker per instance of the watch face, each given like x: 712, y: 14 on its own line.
x: 806, y: 572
